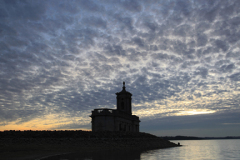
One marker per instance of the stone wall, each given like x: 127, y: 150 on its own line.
x: 74, y: 134
x: 114, y: 120
x: 33, y: 144
x: 74, y: 140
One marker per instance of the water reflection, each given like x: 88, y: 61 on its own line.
x: 99, y: 155
x: 191, y: 149
x: 197, y: 149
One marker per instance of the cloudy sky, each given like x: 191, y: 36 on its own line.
x: 60, y: 59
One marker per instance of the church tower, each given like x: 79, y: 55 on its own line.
x: 120, y: 119
x: 124, y: 100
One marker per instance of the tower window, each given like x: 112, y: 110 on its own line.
x: 122, y: 105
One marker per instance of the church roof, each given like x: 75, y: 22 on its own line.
x: 124, y: 91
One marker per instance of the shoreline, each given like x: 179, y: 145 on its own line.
x: 22, y: 148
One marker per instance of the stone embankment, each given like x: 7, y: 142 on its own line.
x: 73, y: 134
x: 75, y: 141
x: 84, y: 139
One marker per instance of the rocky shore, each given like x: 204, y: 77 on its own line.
x: 32, y: 147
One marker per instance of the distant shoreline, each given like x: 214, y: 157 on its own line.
x: 197, y: 138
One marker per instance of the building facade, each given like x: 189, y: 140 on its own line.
x: 120, y: 119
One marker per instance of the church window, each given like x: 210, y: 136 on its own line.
x: 122, y: 105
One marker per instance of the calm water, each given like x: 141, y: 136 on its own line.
x: 198, y: 149
x: 191, y: 149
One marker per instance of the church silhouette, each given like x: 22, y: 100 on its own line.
x: 120, y: 119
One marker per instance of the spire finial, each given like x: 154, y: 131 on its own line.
x: 123, y: 85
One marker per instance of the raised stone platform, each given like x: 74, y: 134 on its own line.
x: 40, y: 143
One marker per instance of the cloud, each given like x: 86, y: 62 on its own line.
x: 90, y: 6
x: 71, y: 126
x: 132, y: 5
x: 138, y: 41
x: 114, y: 50
x: 25, y: 10
x: 235, y: 77
x: 202, y: 71
x: 95, y: 22
x: 215, y: 120
x: 61, y: 58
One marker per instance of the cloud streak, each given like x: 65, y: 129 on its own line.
x: 63, y: 58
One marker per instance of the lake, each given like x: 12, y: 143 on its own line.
x: 198, y: 149
x: 191, y: 149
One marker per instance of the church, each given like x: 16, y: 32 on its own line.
x: 120, y: 119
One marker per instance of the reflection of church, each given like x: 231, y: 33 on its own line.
x: 120, y: 119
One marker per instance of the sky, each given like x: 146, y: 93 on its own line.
x: 60, y: 59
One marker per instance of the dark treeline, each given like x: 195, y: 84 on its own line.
x: 73, y: 134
